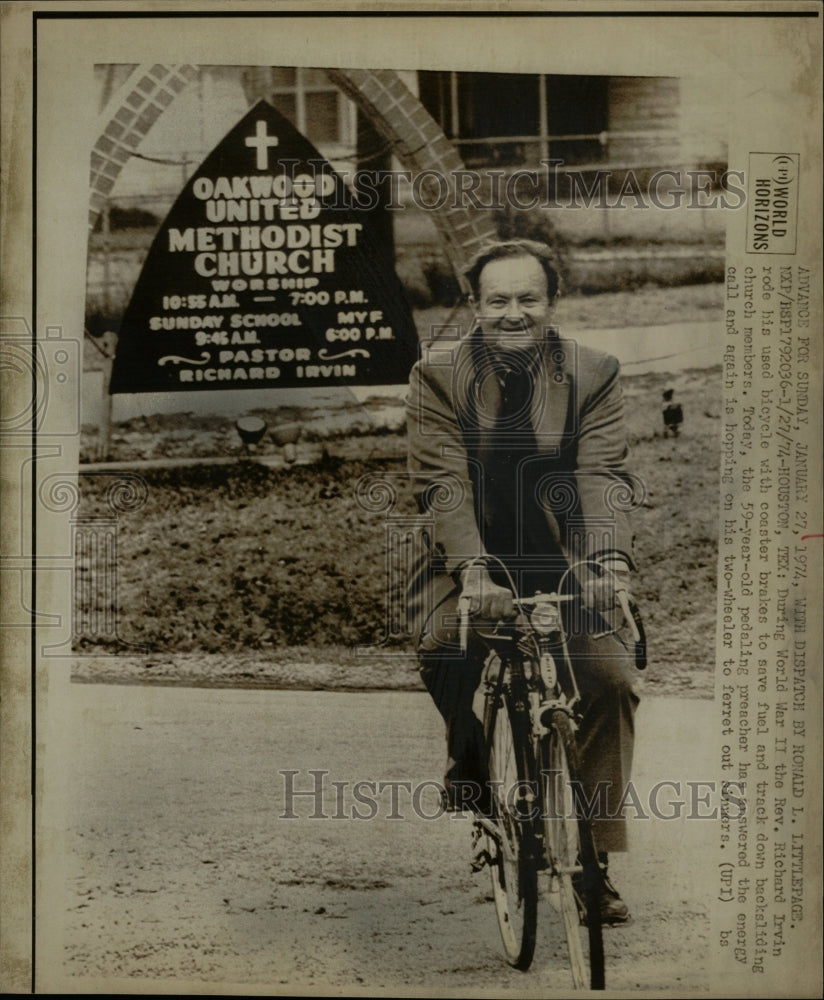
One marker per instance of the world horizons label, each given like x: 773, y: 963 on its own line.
x: 264, y: 274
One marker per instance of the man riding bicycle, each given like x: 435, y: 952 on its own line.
x: 517, y: 449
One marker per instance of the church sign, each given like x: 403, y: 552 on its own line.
x: 264, y: 274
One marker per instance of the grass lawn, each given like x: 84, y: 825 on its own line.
x: 241, y: 557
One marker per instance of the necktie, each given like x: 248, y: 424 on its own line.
x: 514, y: 417
x: 511, y: 441
x: 515, y: 524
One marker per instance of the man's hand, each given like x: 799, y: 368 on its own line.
x: 487, y: 600
x: 599, y: 591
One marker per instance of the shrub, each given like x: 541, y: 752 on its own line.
x: 536, y: 225
x: 442, y: 281
x: 127, y: 217
x: 410, y: 272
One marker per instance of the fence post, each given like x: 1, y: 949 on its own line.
x: 105, y: 226
x: 108, y: 343
x: 108, y: 340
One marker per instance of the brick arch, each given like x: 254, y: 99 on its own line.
x: 383, y: 97
x: 419, y: 143
x: 126, y: 119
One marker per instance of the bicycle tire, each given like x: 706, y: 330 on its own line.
x: 513, y: 862
x: 570, y: 849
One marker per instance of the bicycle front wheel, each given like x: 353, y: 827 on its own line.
x: 576, y: 881
x: 513, y: 814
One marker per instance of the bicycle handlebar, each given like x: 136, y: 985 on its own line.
x: 629, y: 610
x: 539, y: 598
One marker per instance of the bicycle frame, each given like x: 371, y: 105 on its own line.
x: 541, y: 622
x: 535, y: 684
x: 537, y: 641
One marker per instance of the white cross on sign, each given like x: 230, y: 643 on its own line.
x: 261, y: 141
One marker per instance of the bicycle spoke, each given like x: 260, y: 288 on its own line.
x: 569, y: 846
x: 530, y: 695
x: 513, y: 867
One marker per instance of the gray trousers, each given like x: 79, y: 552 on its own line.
x: 605, y: 673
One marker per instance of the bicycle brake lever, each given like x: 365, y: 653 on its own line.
x: 638, y: 637
x: 628, y: 615
x: 464, y: 604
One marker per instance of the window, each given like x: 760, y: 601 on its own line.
x: 313, y: 105
x: 518, y: 118
x: 576, y: 117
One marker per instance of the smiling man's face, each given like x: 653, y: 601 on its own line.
x: 513, y: 303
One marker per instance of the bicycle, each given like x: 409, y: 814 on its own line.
x: 536, y: 825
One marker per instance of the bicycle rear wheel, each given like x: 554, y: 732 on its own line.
x: 513, y: 814
x: 576, y: 881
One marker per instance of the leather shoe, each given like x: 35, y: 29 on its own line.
x: 613, y: 909
x: 466, y: 794
x: 465, y: 787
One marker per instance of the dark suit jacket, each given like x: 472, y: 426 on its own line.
x: 579, y: 443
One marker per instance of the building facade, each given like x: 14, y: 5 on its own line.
x: 495, y: 121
